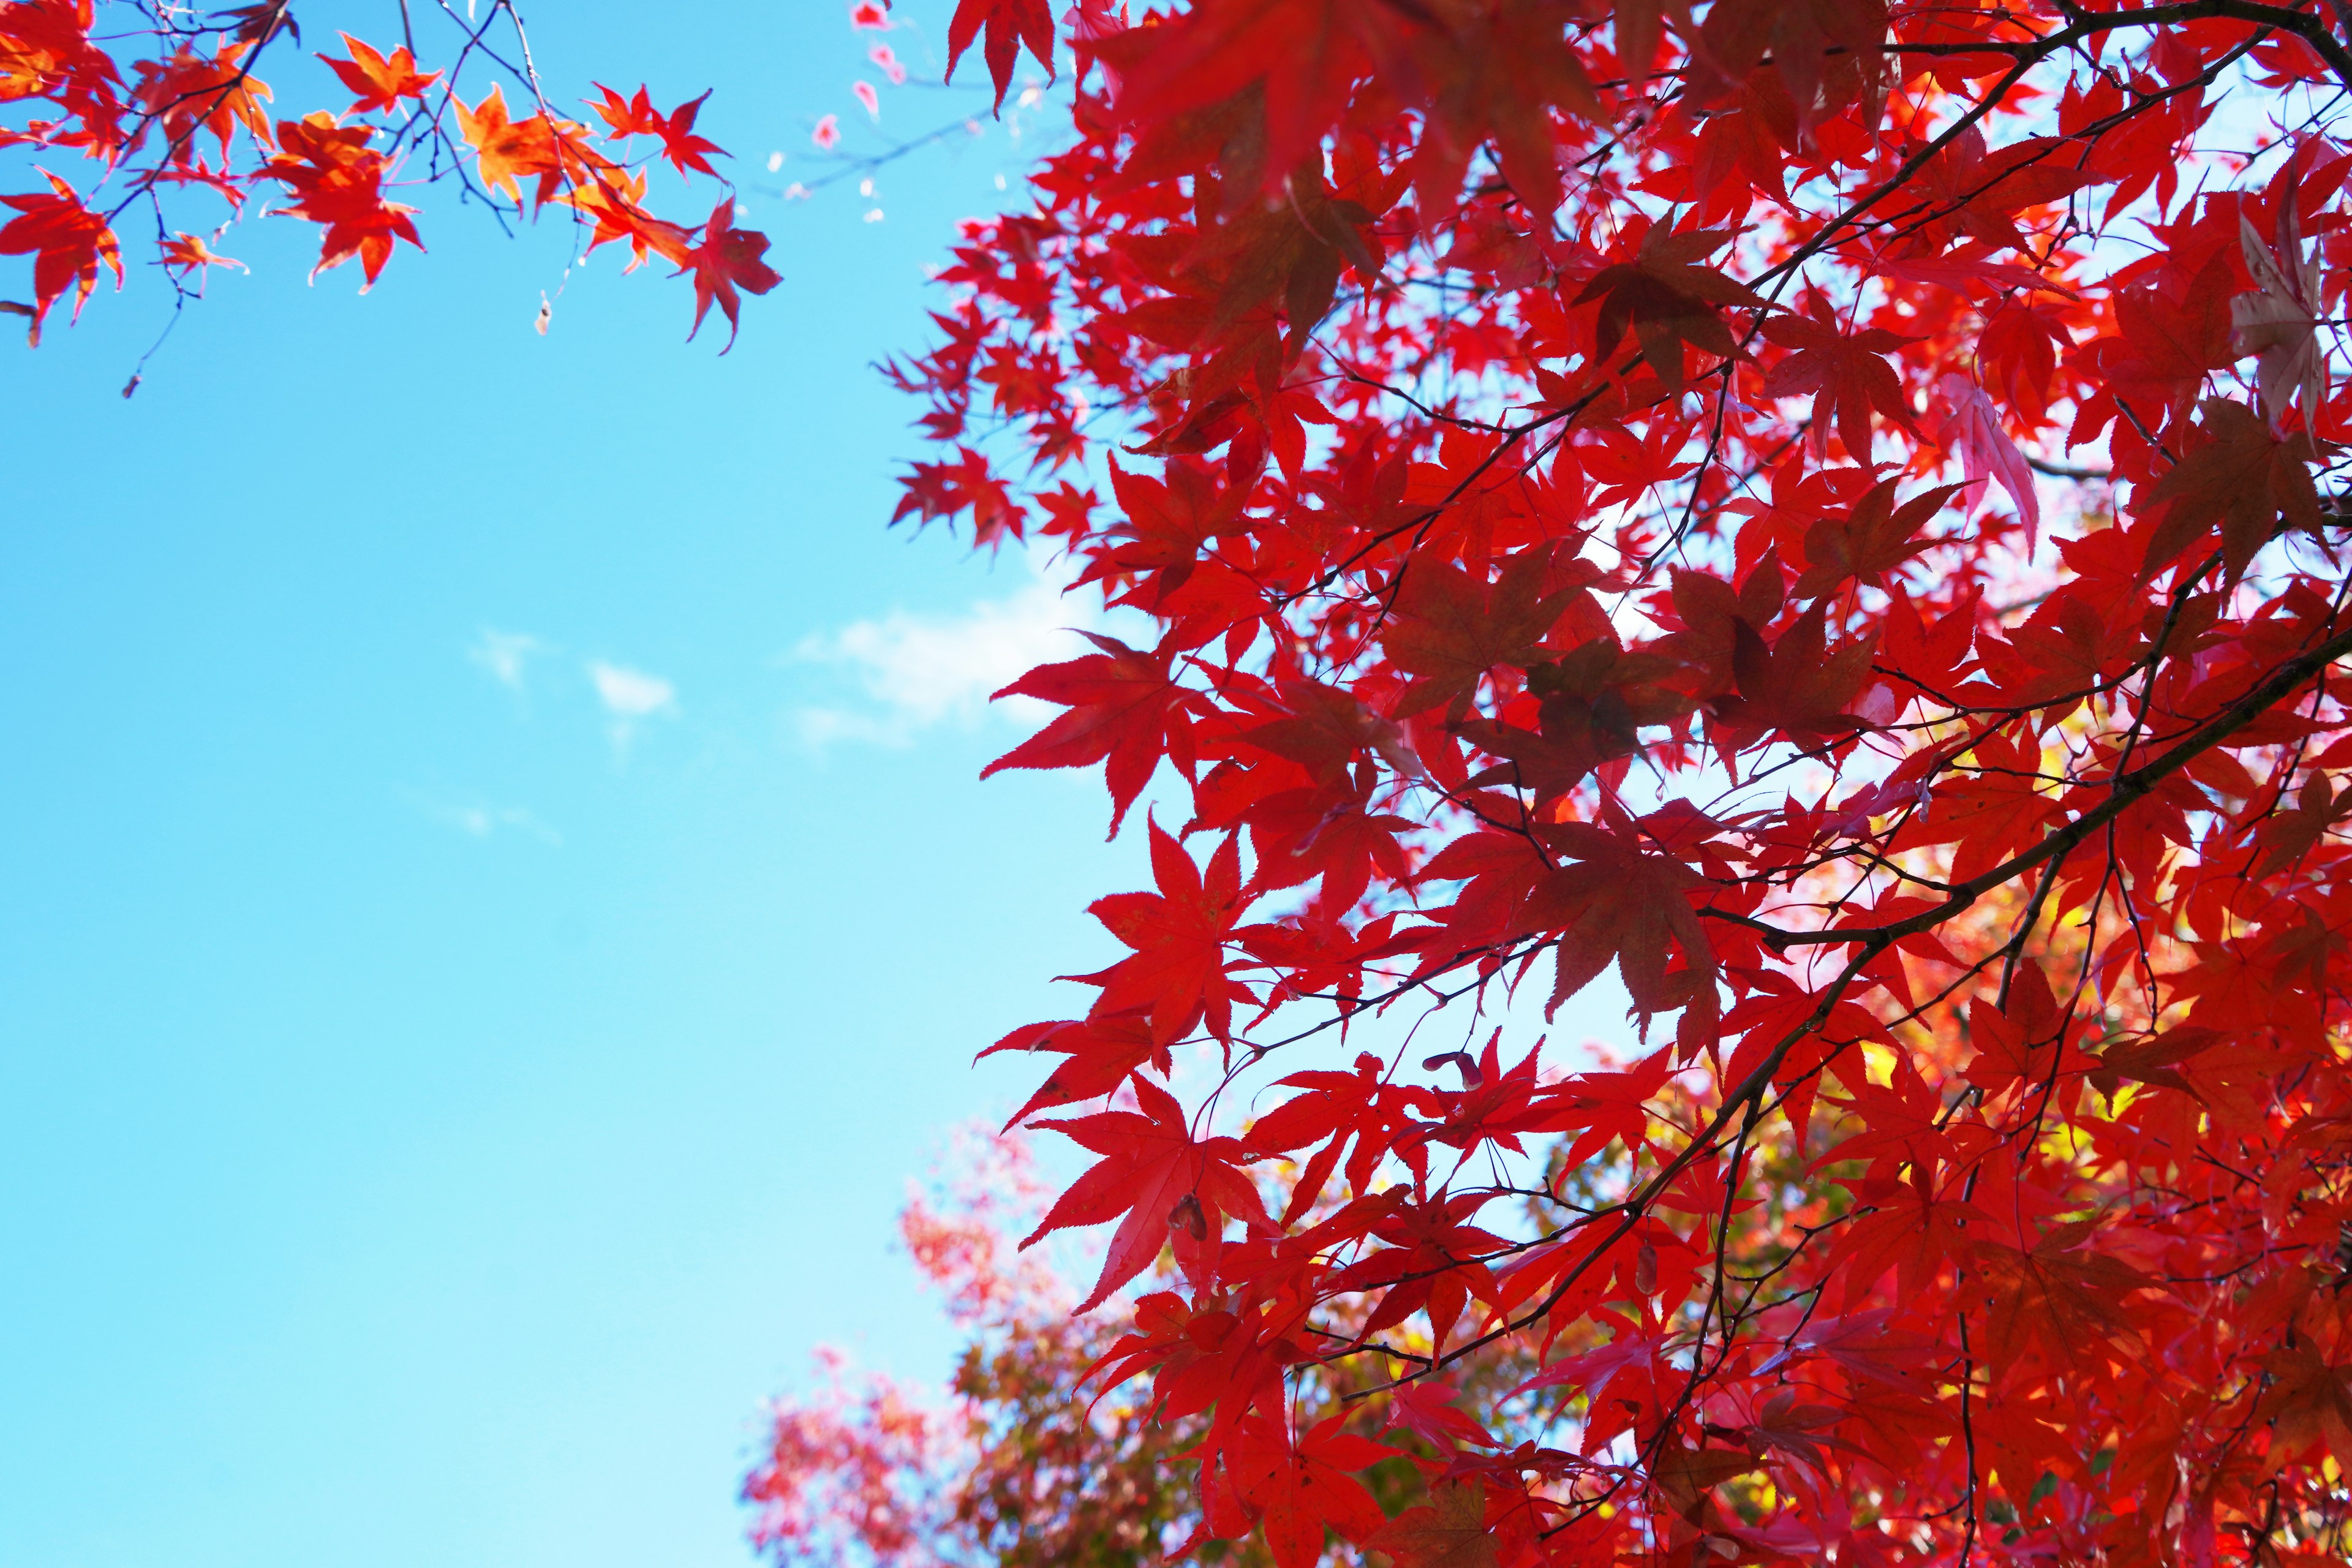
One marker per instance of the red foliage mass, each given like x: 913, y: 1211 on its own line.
x: 1580, y: 466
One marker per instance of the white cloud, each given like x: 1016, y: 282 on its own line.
x: 630, y: 697
x: 914, y: 671
x: 507, y: 656
x: 632, y: 693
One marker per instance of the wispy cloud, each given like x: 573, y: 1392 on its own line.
x: 507, y: 656
x: 912, y: 671
x: 477, y: 819
x: 631, y: 697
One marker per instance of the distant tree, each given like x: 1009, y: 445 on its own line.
x: 1013, y: 1463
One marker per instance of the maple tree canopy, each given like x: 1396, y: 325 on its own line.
x: 1823, y: 508
x: 1820, y: 508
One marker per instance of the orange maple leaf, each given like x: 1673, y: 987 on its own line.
x: 627, y: 117
x: 609, y: 199
x: 381, y: 81
x: 45, y: 51
x: 504, y: 148
x: 188, y: 251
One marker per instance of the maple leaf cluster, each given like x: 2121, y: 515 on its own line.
x: 167, y: 110
x: 1827, y: 512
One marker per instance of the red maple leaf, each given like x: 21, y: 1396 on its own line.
x: 1447, y: 1531
x: 1992, y: 1184
x: 1299, y: 1491
x: 68, y: 242
x: 1181, y: 935
x: 2236, y: 479
x: 727, y: 260
x: 1009, y: 24
x: 1612, y: 902
x: 1102, y: 1051
x: 1869, y: 541
x: 2319, y: 811
x: 2029, y: 1041
x: 2064, y: 1299
x: 1452, y: 628
x: 610, y: 200
x: 636, y: 116
x: 1153, y: 1177
x: 2162, y: 350
x: 1847, y: 374
x: 189, y: 92
x: 1125, y: 709
x: 942, y: 490
x: 337, y: 180
x: 1795, y: 685
x: 1912, y: 1232
x: 1667, y: 300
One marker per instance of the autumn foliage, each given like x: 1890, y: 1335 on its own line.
x: 166, y: 115
x: 1818, y: 515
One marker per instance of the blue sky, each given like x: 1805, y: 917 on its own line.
x: 498, y: 900
x: 435, y: 1109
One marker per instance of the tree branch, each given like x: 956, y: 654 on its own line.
x: 2125, y: 791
